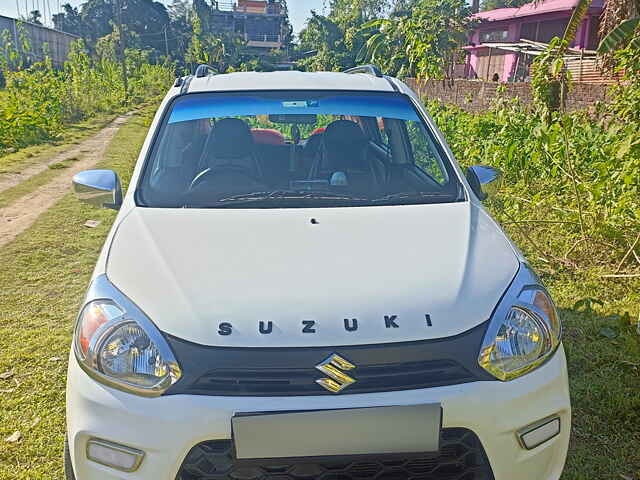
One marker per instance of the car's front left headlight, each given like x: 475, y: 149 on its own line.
x: 116, y: 344
x: 524, y: 332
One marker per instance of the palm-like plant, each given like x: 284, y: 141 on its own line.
x: 551, y: 79
x: 618, y: 23
x: 422, y: 43
x: 626, y: 33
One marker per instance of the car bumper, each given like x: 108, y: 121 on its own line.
x: 166, y: 428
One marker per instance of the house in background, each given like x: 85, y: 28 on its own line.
x: 506, y: 40
x: 260, y: 22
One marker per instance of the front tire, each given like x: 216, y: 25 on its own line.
x: 68, y: 467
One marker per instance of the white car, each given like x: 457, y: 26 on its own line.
x: 301, y: 283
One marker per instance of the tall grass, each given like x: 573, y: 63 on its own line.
x: 572, y: 185
x: 37, y: 102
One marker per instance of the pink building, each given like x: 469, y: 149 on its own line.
x: 499, y: 44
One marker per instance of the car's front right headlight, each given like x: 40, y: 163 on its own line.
x: 524, y: 331
x: 116, y: 344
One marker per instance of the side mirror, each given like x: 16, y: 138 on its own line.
x: 484, y: 181
x: 100, y: 188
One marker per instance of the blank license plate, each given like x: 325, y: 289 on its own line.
x: 357, y: 431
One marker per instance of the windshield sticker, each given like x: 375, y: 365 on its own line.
x: 300, y: 104
x: 196, y: 107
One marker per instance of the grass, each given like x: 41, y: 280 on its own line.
x: 44, y: 274
x: 604, y: 376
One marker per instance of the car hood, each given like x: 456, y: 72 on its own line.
x: 275, y: 278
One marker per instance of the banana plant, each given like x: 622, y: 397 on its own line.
x: 625, y: 34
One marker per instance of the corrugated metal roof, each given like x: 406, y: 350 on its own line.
x: 533, y: 8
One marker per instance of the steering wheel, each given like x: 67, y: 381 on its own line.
x: 211, y: 173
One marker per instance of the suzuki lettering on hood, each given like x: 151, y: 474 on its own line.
x: 271, y: 278
x: 309, y: 326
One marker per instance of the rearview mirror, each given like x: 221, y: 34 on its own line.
x: 484, y: 181
x: 100, y: 188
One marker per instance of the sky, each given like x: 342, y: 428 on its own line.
x: 299, y: 10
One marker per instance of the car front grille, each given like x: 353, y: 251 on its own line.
x: 232, y: 371
x: 302, y: 381
x: 461, y: 457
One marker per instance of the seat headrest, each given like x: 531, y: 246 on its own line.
x: 344, y: 144
x: 231, y: 138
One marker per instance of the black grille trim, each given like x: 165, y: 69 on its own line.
x: 301, y: 381
x: 461, y: 457
x: 227, y: 371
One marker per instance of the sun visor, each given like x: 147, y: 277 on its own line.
x: 195, y: 107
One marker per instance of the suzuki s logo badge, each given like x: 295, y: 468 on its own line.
x: 334, y: 367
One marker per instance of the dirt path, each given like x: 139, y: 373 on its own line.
x: 22, y: 213
x: 84, y: 148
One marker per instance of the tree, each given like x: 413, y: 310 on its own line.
x: 179, y: 9
x: 425, y: 43
x: 322, y: 45
x: 144, y: 20
x: 626, y: 33
x: 615, y: 12
x: 353, y: 13
x: 179, y: 31
x: 69, y: 20
x: 402, y: 8
x: 287, y: 28
x: 96, y: 16
x: 34, y: 17
x: 550, y: 78
x: 221, y: 50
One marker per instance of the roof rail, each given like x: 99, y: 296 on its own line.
x: 369, y: 69
x: 202, y: 70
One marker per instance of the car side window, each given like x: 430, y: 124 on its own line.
x: 424, y: 151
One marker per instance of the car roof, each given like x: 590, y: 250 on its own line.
x: 289, y: 80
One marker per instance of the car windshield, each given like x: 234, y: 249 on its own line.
x: 294, y: 150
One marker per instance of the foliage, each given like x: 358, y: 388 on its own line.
x: 549, y: 78
x: 39, y: 101
x: 168, y: 33
x: 405, y: 37
x: 580, y: 174
x: 626, y: 95
x: 34, y: 17
x: 219, y: 50
x: 68, y: 20
x: 423, y: 44
x: 615, y: 12
x: 145, y: 21
x: 417, y: 38
x: 622, y: 35
x: 322, y: 45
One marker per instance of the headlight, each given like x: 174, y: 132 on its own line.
x: 116, y: 344
x: 524, y: 332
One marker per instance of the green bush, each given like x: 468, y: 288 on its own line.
x: 37, y: 102
x: 572, y: 189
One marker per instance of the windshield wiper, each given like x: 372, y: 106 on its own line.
x: 413, y: 197
x: 276, y: 195
x: 294, y: 194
